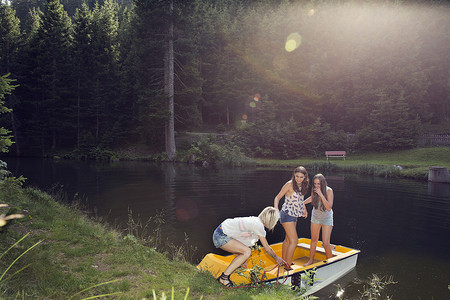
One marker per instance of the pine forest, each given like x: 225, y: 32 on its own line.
x: 282, y: 78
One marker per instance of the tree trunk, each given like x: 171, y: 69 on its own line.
x: 14, y: 130
x: 169, y: 70
x: 78, y: 113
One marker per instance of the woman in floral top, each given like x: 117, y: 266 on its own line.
x: 294, y: 192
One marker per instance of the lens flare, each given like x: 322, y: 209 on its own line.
x: 256, y: 97
x: 244, y: 117
x: 293, y: 41
x: 252, y: 104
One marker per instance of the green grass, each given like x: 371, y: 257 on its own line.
x: 414, y: 162
x: 80, y: 258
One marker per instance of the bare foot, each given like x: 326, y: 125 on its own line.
x: 308, y: 263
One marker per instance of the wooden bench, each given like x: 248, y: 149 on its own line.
x: 335, y: 154
x: 320, y: 249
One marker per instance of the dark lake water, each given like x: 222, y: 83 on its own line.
x: 402, y: 227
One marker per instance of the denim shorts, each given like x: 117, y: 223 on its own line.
x: 285, y: 217
x: 220, y: 238
x: 322, y: 217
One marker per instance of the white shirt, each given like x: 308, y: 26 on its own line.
x: 246, y: 229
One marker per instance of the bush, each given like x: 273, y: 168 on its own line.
x: 289, y: 140
x: 207, y: 152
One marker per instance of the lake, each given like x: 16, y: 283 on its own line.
x: 402, y: 227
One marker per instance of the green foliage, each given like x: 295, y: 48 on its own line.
x: 6, y: 88
x: 376, y: 286
x: 97, y: 153
x: 100, y: 73
x: 391, y: 126
x: 288, y: 140
x: 256, y: 274
x: 207, y: 151
x: 10, y: 37
x: 3, y: 170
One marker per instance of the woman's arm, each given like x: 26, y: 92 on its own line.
x: 328, y: 203
x: 280, y: 195
x: 270, y: 251
x: 308, y: 200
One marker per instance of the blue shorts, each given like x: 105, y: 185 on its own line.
x: 220, y: 238
x: 285, y: 217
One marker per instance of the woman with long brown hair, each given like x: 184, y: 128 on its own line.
x: 293, y: 207
x: 321, y: 198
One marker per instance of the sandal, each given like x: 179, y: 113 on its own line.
x: 227, y: 278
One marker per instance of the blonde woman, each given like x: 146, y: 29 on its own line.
x: 321, y: 198
x: 293, y: 207
x: 237, y: 235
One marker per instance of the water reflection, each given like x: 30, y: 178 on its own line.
x: 439, y: 189
x: 401, y: 226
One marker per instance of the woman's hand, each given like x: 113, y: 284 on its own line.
x: 280, y: 261
x: 318, y: 191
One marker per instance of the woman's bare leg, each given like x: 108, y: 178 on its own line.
x: 326, y: 236
x: 315, y: 231
x: 242, y: 254
x: 290, y: 242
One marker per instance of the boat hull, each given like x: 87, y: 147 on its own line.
x: 262, y: 268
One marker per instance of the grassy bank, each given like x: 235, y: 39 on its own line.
x: 76, y: 253
x: 413, y: 163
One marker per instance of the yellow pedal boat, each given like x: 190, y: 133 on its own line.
x: 324, y: 271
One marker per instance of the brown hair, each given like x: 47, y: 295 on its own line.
x: 316, y: 201
x: 305, y: 183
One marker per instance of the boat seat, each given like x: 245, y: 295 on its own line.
x: 320, y: 249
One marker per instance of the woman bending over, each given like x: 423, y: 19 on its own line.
x: 239, y: 234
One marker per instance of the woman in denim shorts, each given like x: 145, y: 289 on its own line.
x: 293, y: 207
x: 322, y: 216
x: 239, y: 234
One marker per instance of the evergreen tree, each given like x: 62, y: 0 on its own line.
x: 9, y: 38
x: 149, y: 30
x: 127, y: 112
x: 10, y: 41
x: 6, y: 88
x: 105, y: 76
x: 391, y: 124
x: 83, y: 58
x: 56, y: 102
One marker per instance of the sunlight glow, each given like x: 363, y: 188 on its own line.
x: 293, y: 41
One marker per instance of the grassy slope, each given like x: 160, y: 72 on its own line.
x: 415, y: 162
x: 78, y: 253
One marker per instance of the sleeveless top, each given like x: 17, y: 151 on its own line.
x: 322, y: 214
x: 320, y: 207
x: 292, y: 205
